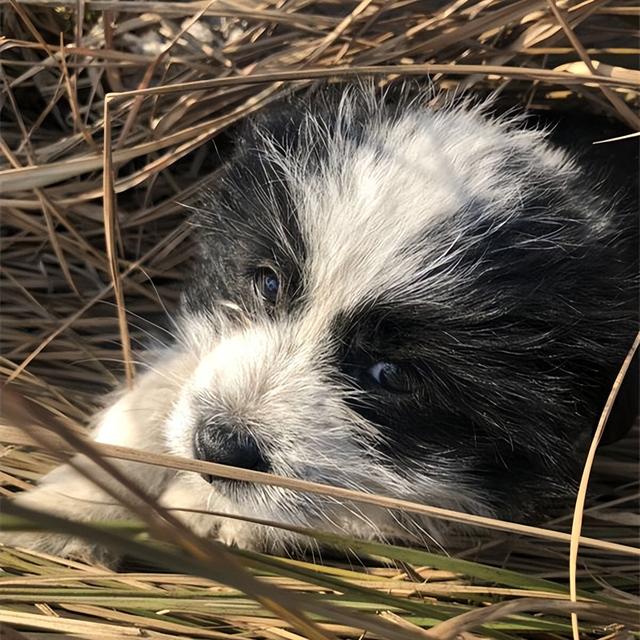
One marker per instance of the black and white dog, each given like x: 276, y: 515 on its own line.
x: 424, y: 303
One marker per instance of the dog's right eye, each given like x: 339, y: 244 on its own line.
x: 267, y: 284
x: 391, y: 377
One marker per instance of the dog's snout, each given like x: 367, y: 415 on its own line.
x: 229, y: 444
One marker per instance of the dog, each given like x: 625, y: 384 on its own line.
x: 430, y: 303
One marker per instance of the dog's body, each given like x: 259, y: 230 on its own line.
x: 425, y: 304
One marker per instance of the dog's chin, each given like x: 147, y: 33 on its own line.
x: 220, y: 509
x: 242, y: 515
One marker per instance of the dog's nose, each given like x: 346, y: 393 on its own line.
x: 228, y: 444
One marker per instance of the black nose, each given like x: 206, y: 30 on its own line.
x: 227, y: 444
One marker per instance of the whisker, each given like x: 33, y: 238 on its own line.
x: 160, y: 300
x: 150, y: 322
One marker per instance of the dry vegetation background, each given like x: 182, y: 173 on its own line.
x: 92, y: 260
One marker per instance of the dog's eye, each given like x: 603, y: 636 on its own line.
x: 267, y: 284
x: 391, y: 376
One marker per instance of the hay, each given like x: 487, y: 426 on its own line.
x: 92, y: 261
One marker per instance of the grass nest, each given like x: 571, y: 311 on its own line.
x: 114, y: 113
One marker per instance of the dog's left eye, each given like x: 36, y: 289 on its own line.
x: 391, y: 376
x: 267, y: 284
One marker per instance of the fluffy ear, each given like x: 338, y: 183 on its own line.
x: 331, y: 106
x: 612, y: 167
x: 273, y: 118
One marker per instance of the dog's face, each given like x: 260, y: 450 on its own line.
x: 391, y: 299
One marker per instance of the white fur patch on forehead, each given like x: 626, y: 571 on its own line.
x: 364, y: 208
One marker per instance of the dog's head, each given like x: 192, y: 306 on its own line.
x: 422, y: 303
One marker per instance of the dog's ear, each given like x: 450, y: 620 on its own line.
x: 279, y: 118
x: 329, y: 106
x: 626, y: 408
x: 242, y: 135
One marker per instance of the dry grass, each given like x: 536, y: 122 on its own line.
x: 92, y: 259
